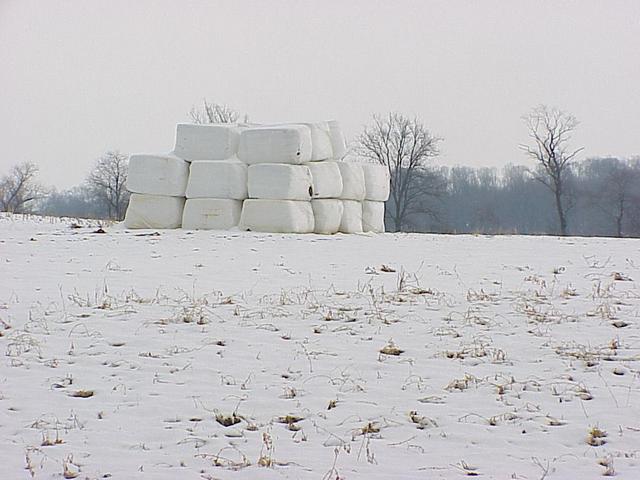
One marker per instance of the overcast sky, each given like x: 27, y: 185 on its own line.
x: 81, y: 77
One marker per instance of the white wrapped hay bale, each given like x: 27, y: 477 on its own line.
x: 154, y: 211
x: 157, y: 175
x: 206, y: 142
x: 321, y: 148
x: 277, y: 216
x: 276, y: 144
x: 279, y: 181
x: 338, y: 142
x: 327, y: 214
x: 327, y: 180
x: 376, y: 181
x: 373, y: 216
x: 351, y: 221
x: 353, y: 186
x: 217, y: 179
x: 211, y: 214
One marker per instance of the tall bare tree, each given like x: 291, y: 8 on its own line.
x: 551, y: 129
x: 212, y: 112
x: 107, y: 181
x: 405, y: 147
x: 19, y: 187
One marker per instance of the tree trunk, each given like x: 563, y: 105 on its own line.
x: 561, y: 213
x: 619, y: 217
x: 397, y: 219
x: 619, y: 226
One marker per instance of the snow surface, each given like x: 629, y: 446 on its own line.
x: 513, y: 350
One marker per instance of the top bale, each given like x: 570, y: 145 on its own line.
x: 275, y: 144
x: 206, y: 142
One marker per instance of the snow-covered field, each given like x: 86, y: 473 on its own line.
x: 239, y: 355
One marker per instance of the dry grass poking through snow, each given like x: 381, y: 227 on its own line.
x: 209, y: 356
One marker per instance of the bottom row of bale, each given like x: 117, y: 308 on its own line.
x: 324, y: 216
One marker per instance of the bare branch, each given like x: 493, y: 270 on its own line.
x: 405, y: 147
x: 19, y: 188
x: 212, y: 112
x: 551, y: 129
x: 107, y: 181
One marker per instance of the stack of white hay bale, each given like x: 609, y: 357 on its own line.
x: 279, y: 182
x: 217, y: 183
x: 157, y: 184
x: 288, y: 178
x: 376, y: 180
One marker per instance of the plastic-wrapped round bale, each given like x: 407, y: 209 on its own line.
x: 338, y: 142
x: 321, y: 148
x: 353, y: 186
x: 373, y: 216
x: 206, y: 142
x: 351, y: 217
x: 376, y: 181
x: 217, y: 179
x: 277, y: 216
x: 279, y: 181
x: 211, y: 214
x: 154, y: 211
x: 327, y: 180
x: 327, y: 215
x: 157, y: 175
x: 275, y: 144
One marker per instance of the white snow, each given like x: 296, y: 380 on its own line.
x: 514, y: 349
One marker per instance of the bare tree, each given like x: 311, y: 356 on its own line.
x: 619, y: 183
x: 617, y: 190
x: 107, y: 181
x: 432, y: 186
x: 405, y: 147
x: 551, y: 131
x: 19, y: 187
x: 212, y: 112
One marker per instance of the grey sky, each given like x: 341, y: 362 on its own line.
x: 80, y: 77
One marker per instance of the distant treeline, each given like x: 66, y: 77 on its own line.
x: 603, y: 196
x: 77, y: 202
x: 597, y: 196
x: 102, y: 195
